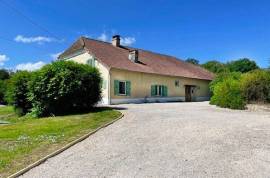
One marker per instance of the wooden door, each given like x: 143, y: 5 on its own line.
x: 188, y: 93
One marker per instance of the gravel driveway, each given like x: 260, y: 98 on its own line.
x: 170, y: 140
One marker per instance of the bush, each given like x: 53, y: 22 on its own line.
x: 223, y: 76
x: 17, y: 91
x: 3, y: 88
x: 64, y: 87
x: 256, y: 86
x: 227, y: 93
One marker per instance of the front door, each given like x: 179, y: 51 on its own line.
x: 188, y: 93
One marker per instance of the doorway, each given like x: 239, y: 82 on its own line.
x: 188, y: 93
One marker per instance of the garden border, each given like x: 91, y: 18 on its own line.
x: 42, y: 160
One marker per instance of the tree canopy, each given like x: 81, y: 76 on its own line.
x: 4, y: 74
x: 215, y: 66
x: 192, y: 61
x: 242, y: 65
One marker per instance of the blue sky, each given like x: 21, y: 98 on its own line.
x: 33, y: 31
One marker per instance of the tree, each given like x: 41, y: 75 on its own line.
x: 4, y: 74
x: 215, y: 66
x: 242, y: 65
x: 192, y: 61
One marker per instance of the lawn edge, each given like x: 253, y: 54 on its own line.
x: 42, y: 160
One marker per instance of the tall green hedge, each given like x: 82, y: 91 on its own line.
x: 17, y: 91
x: 64, y: 87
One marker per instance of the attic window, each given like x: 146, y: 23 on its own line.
x: 133, y: 55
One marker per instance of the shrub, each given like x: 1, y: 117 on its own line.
x: 17, y: 91
x: 228, y: 94
x: 3, y: 88
x: 256, y: 86
x: 223, y: 76
x: 64, y: 87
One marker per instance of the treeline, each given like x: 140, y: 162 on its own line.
x: 237, y: 83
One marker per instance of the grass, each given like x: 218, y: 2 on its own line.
x: 26, y: 140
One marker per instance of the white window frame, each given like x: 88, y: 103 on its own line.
x: 125, y: 82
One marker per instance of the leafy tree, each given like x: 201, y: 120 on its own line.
x: 242, y: 65
x: 64, y: 87
x: 215, y: 66
x: 192, y: 61
x: 4, y: 74
x: 17, y: 90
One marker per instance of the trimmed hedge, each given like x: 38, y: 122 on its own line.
x: 64, y: 87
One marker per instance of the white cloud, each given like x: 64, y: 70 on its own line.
x: 3, y: 59
x: 127, y: 41
x: 103, y: 37
x: 55, y: 55
x: 30, y: 66
x: 36, y: 39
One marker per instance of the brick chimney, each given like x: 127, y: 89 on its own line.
x: 116, y: 40
x: 133, y: 55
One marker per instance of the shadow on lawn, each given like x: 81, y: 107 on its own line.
x: 88, y: 111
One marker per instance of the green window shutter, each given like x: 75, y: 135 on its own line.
x: 128, y: 88
x: 165, y: 91
x: 153, y: 90
x: 116, y: 87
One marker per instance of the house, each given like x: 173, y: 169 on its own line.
x: 132, y: 75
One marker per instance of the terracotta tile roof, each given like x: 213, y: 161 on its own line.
x: 149, y: 62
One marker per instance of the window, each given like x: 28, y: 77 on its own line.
x: 158, y: 90
x: 122, y: 88
x: 176, y: 83
x: 104, y: 84
x: 91, y: 62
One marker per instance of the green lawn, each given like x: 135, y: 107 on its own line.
x: 25, y: 140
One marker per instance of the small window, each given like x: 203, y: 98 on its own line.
x: 158, y: 90
x: 91, y: 62
x: 176, y: 83
x: 122, y: 88
x: 104, y: 84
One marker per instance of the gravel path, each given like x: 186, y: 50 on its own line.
x: 170, y: 140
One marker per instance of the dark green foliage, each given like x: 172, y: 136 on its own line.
x: 242, y: 65
x: 4, y: 74
x: 192, y: 61
x: 17, y: 92
x: 3, y: 88
x: 256, y: 86
x: 64, y: 87
x: 227, y: 93
x: 215, y: 67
